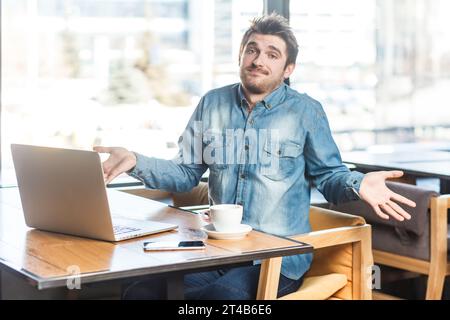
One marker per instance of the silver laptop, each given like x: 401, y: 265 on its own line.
x: 63, y: 191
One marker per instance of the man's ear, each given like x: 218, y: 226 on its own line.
x: 288, y: 70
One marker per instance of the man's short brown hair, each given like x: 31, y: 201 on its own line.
x: 277, y: 25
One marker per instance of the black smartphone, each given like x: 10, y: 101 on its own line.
x: 173, y: 245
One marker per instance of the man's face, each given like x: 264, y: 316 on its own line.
x: 263, y: 63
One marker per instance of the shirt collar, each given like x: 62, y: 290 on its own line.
x: 271, y: 100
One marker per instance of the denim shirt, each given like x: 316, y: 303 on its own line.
x: 266, y: 160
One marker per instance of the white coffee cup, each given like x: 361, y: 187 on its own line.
x: 226, y: 217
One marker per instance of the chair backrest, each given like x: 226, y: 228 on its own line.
x: 322, y: 219
x: 335, y: 258
x: 409, y: 238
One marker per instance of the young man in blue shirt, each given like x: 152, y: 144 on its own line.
x: 264, y: 145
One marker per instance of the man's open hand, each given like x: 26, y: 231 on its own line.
x: 120, y: 160
x: 374, y: 191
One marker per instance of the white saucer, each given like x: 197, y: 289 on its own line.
x: 240, y: 233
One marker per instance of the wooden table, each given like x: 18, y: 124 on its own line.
x: 46, y: 260
x: 414, y: 163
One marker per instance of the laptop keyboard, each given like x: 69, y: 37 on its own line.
x: 123, y: 229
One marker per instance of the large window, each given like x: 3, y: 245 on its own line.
x: 381, y: 68
x: 77, y: 73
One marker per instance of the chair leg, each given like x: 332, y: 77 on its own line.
x: 435, y: 284
x: 438, y: 247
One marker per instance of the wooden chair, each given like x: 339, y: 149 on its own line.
x: 342, y: 263
x: 341, y: 267
x: 419, y: 245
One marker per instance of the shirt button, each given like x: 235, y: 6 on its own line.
x: 251, y: 122
x: 242, y: 176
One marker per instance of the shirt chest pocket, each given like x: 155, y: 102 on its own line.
x: 280, y: 161
x: 216, y: 155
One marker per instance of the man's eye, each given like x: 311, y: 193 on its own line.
x: 273, y: 56
x: 250, y: 51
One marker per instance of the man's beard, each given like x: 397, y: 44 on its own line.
x: 258, y: 87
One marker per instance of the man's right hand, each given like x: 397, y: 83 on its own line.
x: 120, y: 160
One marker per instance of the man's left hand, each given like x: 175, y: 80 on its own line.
x: 374, y: 191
